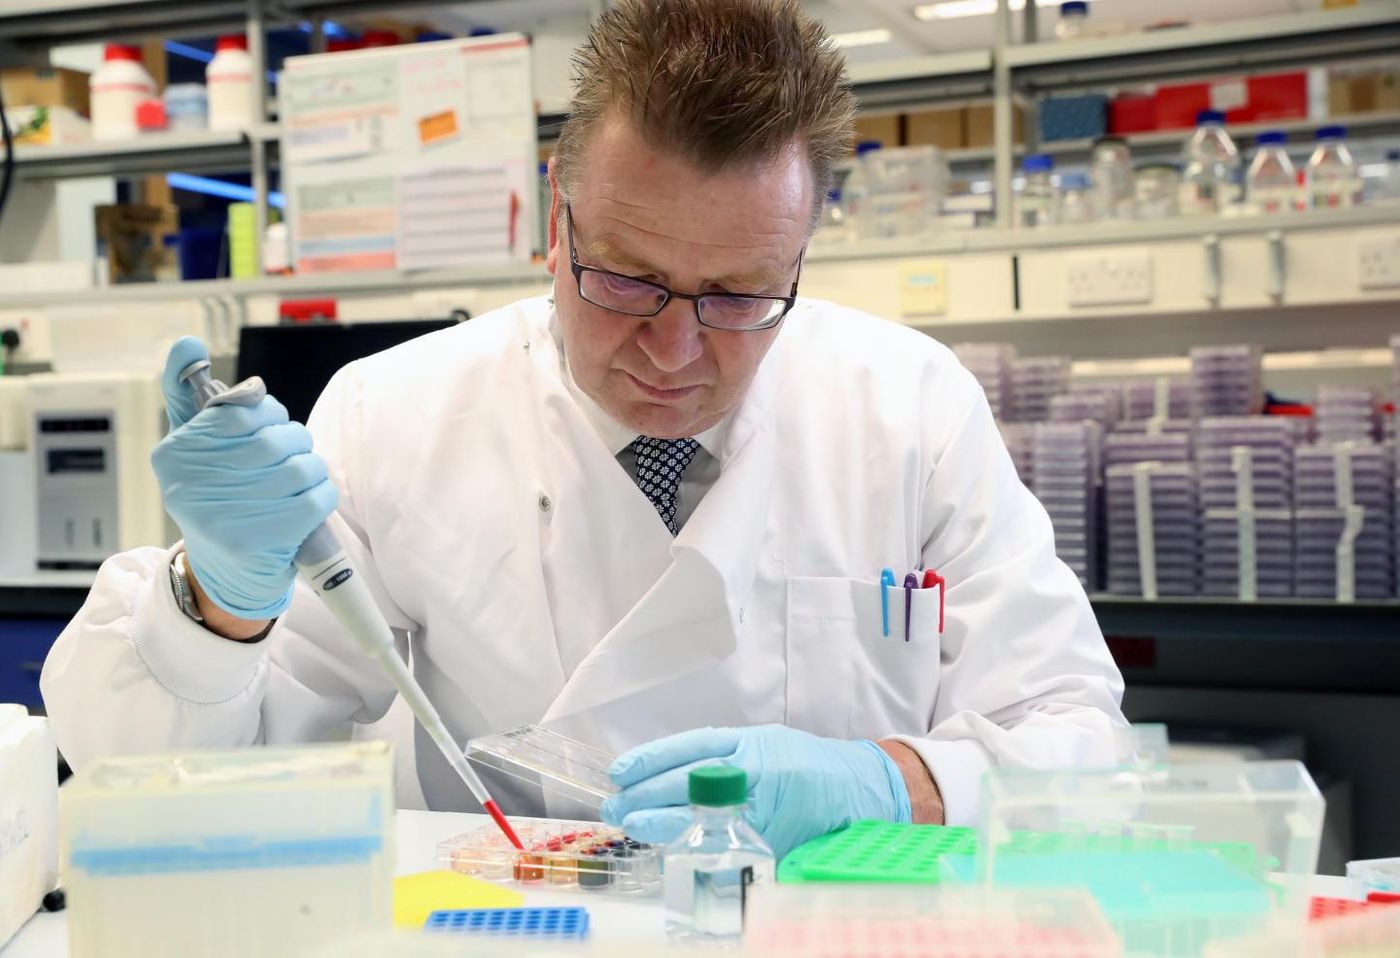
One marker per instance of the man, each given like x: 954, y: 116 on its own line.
x: 653, y: 507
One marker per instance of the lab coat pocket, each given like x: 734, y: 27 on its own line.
x: 846, y: 678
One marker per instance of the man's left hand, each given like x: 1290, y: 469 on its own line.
x: 800, y: 785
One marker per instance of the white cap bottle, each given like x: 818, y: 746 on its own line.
x: 230, y: 79
x: 116, y: 89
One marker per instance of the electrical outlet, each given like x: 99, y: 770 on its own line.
x: 1380, y: 261
x: 1110, y: 278
x: 923, y: 288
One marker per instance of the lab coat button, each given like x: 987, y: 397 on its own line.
x: 545, y: 504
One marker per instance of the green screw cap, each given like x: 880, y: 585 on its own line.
x: 718, y: 786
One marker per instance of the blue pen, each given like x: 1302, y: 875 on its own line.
x: 911, y: 582
x: 886, y: 583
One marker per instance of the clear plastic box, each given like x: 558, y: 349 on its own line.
x: 1367, y: 934
x: 553, y: 762
x: 558, y: 856
x: 1375, y: 874
x: 250, y: 851
x: 901, y: 921
x: 1176, y: 856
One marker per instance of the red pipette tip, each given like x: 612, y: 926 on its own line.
x: 500, y: 819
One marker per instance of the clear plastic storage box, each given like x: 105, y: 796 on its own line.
x: 1176, y: 856
x: 900, y: 921
x: 553, y: 762
x: 250, y: 851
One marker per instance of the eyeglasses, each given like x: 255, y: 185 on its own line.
x: 736, y: 312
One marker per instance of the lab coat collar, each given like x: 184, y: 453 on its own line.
x: 614, y: 434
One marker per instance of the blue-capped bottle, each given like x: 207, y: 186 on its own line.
x: 712, y: 866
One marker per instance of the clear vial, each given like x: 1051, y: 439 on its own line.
x: 834, y: 226
x: 1332, y: 179
x: 1074, y: 15
x: 1076, y: 204
x: 1111, y: 170
x: 1035, y: 204
x: 1272, y: 181
x: 710, y: 868
x: 1210, y: 180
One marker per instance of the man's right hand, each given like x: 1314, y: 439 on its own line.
x: 245, y: 489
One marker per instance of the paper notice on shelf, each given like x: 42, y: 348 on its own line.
x: 346, y: 223
x: 456, y: 216
x: 339, y: 112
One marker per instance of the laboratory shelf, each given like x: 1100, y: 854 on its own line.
x: 1290, y: 40
x: 925, y: 79
x: 1284, y: 644
x: 45, y: 22
x: 205, y: 151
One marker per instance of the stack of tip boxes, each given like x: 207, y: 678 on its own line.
x: 253, y: 851
x: 1176, y: 856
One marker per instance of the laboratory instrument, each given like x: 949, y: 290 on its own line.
x: 1212, y: 168
x: 94, y: 492
x: 264, y: 851
x: 1333, y: 181
x: 710, y: 869
x: 557, y: 855
x: 28, y: 816
x: 1272, y: 182
x: 325, y: 566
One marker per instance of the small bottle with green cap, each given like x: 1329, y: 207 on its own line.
x: 711, y: 867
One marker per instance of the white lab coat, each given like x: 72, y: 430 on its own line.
x: 534, y: 582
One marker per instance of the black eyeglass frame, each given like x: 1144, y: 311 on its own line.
x: 695, y: 299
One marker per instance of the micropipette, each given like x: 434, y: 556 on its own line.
x: 324, y: 565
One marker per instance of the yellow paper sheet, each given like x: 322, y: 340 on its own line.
x: 418, y: 896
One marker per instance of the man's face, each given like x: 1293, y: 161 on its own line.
x: 653, y: 216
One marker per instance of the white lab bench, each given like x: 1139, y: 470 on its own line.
x: 612, y: 918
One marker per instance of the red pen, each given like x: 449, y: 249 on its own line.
x: 931, y: 579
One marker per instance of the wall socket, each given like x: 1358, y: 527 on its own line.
x: 33, y: 328
x: 1379, y: 258
x: 1109, y: 278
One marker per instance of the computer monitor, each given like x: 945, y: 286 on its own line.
x: 297, y: 361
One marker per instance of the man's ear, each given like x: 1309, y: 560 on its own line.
x: 556, y: 210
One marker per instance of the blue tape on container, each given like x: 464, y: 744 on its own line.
x: 225, y: 854
x: 555, y: 924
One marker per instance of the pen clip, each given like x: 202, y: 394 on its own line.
x: 886, y: 583
x: 911, y: 582
x: 931, y: 579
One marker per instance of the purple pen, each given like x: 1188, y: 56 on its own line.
x: 911, y: 582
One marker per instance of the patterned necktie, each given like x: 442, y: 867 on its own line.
x: 660, y: 465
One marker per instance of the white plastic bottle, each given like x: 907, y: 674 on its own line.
x: 1210, y: 179
x: 230, y: 80
x: 1035, y: 204
x: 709, y: 869
x: 1333, y: 182
x: 116, y: 89
x: 1072, y: 24
x: 1272, y: 181
x: 1113, y: 178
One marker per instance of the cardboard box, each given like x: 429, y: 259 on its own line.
x: 945, y: 128
x: 883, y: 129
x: 1366, y: 91
x: 46, y: 125
x: 133, y: 237
x: 979, y: 121
x: 45, y: 86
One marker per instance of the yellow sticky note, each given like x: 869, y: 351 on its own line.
x: 923, y: 288
x: 418, y: 896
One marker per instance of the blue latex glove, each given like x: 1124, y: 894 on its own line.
x: 800, y: 785
x: 245, y: 489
